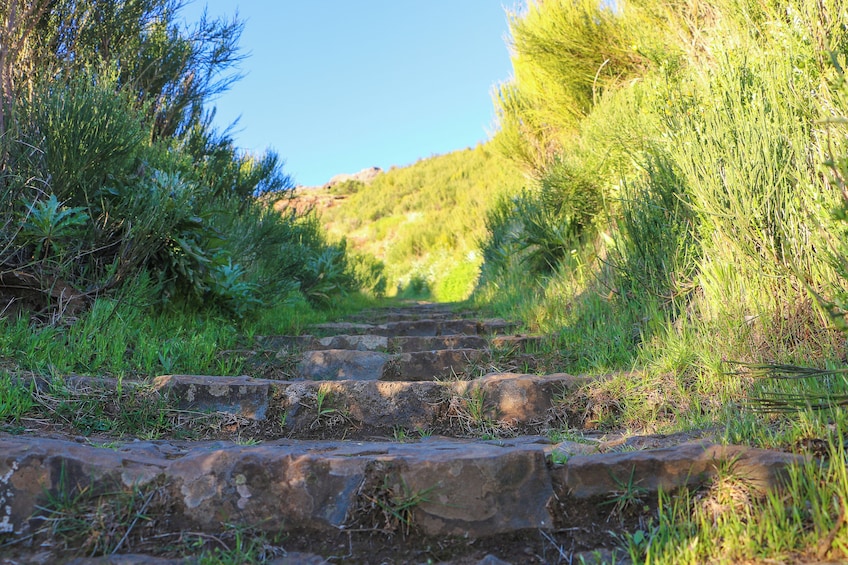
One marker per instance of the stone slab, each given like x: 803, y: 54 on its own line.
x: 408, y: 344
x: 449, y: 487
x: 669, y: 468
x: 524, y: 401
x: 336, y: 364
x: 431, y: 365
x: 423, y: 327
x: 461, y: 488
x: 240, y: 395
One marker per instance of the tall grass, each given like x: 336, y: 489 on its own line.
x: 716, y: 159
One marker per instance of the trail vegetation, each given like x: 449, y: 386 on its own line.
x: 686, y: 221
x: 126, y: 213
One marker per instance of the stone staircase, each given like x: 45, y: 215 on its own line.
x: 390, y: 438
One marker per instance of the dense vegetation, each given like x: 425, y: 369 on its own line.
x: 425, y: 221
x: 688, y: 209
x: 122, y: 204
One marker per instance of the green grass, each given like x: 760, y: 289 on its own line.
x: 732, y: 521
x: 128, y: 340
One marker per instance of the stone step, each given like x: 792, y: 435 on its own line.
x: 496, y: 404
x: 424, y: 327
x: 409, y: 314
x: 284, y: 344
x: 335, y: 364
x: 441, y: 488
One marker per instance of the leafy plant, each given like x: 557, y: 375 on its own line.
x: 49, y: 226
x: 629, y: 495
x: 236, y: 294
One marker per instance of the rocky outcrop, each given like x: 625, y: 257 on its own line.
x: 365, y: 176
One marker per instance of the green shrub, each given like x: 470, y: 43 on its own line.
x: 89, y: 133
x: 369, y: 273
x: 457, y: 283
x: 655, y: 254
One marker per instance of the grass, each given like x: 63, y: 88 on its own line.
x: 92, y: 519
x: 396, y: 502
x: 732, y: 521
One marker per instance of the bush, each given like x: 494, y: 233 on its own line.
x: 369, y: 273
x: 112, y: 171
x: 655, y: 253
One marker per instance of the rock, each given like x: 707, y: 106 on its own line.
x: 431, y: 365
x: 244, y: 396
x: 365, y: 175
x: 448, y: 487
x: 411, y: 328
x: 668, y: 468
x: 457, y: 327
x: 493, y: 560
x: 409, y: 344
x: 419, y: 328
x: 518, y: 398
x: 569, y: 449
x: 516, y: 342
x: 358, y: 342
x: 335, y: 364
x: 369, y: 405
x: 496, y: 326
x: 337, y: 328
x: 523, y: 400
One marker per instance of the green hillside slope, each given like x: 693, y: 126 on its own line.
x: 424, y: 221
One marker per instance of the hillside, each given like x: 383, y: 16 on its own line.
x: 423, y: 221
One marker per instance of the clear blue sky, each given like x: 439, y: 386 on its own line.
x: 335, y: 86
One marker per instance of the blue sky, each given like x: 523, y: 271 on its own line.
x: 335, y: 86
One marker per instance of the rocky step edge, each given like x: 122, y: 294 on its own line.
x: 425, y: 493
x: 374, y: 357
x: 423, y: 327
x: 409, y: 313
x: 498, y: 404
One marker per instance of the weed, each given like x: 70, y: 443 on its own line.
x: 560, y: 457
x: 628, y: 497
x: 16, y: 398
x: 470, y: 412
x: 323, y: 398
x: 400, y: 434
x: 397, y: 502
x: 247, y: 441
x: 326, y: 415
x: 240, y: 544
